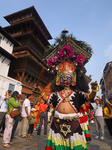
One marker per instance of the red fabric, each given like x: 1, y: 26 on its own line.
x: 91, y: 115
x: 87, y: 135
x: 85, y: 117
x: 88, y: 106
x: 48, y: 148
x: 43, y: 107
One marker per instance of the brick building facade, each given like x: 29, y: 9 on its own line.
x: 106, y: 82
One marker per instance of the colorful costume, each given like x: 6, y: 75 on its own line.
x: 88, y: 112
x: 65, y: 132
x: 84, y: 124
x: 64, y: 135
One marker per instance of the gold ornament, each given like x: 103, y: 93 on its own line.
x: 57, y: 120
x: 96, y: 90
x: 67, y: 99
x: 68, y: 129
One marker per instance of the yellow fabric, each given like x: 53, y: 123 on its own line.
x: 106, y: 111
x: 84, y: 128
x: 82, y: 105
x: 88, y: 95
x: 47, y: 97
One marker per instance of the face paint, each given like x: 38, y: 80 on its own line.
x: 66, y: 75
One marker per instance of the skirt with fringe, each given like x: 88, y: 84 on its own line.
x: 85, y: 127
x: 76, y: 140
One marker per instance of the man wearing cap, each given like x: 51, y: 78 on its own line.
x: 99, y: 120
x: 25, y: 116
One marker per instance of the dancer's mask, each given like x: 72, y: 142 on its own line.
x: 66, y: 75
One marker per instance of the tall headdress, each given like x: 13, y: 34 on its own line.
x: 65, y: 62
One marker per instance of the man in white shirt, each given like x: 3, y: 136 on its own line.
x: 4, y: 106
x: 25, y: 116
x: 99, y: 120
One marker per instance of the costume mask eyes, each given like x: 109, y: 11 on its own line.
x: 65, y: 80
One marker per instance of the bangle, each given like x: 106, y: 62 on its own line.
x: 42, y: 94
x: 96, y: 90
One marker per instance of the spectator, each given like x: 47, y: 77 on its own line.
x: 17, y: 117
x: 3, y: 108
x: 84, y: 122
x: 108, y: 117
x: 99, y: 120
x: 37, y: 113
x: 10, y: 121
x: 25, y: 116
x: 31, y: 122
x: 43, y: 116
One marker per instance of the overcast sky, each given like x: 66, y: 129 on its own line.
x: 87, y: 20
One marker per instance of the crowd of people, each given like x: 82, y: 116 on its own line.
x: 33, y: 115
x: 40, y: 114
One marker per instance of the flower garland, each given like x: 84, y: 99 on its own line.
x: 66, y: 51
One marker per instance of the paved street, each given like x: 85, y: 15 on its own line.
x: 37, y: 142
x: 99, y: 144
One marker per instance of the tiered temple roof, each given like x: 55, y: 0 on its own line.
x: 28, y: 29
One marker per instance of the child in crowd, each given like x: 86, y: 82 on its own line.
x: 31, y: 122
x: 84, y: 122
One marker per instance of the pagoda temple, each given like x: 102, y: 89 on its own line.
x: 28, y: 29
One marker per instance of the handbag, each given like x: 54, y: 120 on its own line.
x: 14, y: 112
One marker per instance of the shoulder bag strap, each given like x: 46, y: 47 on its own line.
x: 8, y: 108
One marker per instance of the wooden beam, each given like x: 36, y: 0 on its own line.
x: 29, y: 80
x: 40, y: 76
x: 22, y: 76
x: 25, y: 78
x: 18, y: 76
x: 34, y: 81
